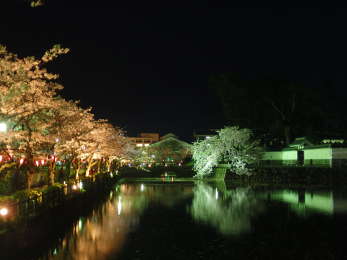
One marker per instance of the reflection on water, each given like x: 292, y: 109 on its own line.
x: 305, y: 203
x: 104, y: 232
x: 229, y: 211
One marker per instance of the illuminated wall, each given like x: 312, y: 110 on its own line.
x: 319, y: 155
x: 273, y: 155
x: 285, y: 157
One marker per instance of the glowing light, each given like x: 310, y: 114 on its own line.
x: 80, y: 185
x: 0, y: 158
x: 216, y: 194
x: 179, y: 164
x: 139, y: 145
x: 74, y: 187
x: 142, y: 187
x: 149, y: 165
x: 42, y: 162
x: 57, y: 140
x: 80, y: 224
x: 37, y: 163
x: 146, y: 145
x: 3, y: 211
x: 119, y: 206
x: 21, y: 161
x: 3, y: 127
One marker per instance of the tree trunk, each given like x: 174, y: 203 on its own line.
x: 99, y: 166
x: 79, y: 165
x: 29, y: 179
x: 287, y: 135
x: 91, y: 163
x: 30, y: 170
x: 51, y: 170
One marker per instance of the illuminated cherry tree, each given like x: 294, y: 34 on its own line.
x: 28, y: 95
x: 232, y: 146
x: 42, y: 128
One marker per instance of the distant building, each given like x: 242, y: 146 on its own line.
x: 302, y: 152
x: 170, y: 150
x: 144, y: 139
x: 201, y: 135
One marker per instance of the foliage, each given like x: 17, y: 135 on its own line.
x: 36, y: 3
x: 54, y: 187
x: 274, y: 107
x: 231, y: 145
x: 27, y: 194
x: 42, y: 126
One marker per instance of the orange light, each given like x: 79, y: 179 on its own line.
x: 21, y: 161
x: 42, y: 162
x: 37, y: 163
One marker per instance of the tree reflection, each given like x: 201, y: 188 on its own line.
x: 229, y: 211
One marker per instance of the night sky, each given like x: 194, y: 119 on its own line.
x: 147, y: 69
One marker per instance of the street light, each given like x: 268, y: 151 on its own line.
x: 3, y: 127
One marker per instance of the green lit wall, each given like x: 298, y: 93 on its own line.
x: 318, y: 154
x: 273, y: 156
x: 290, y: 155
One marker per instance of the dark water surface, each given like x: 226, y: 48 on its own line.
x: 177, y: 220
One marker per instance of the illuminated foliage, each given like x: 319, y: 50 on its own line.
x: 40, y: 125
x: 36, y: 3
x: 28, y: 95
x: 232, y: 146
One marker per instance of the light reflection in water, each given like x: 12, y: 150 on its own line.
x: 229, y: 211
x: 104, y: 232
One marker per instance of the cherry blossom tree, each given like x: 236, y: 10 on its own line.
x: 232, y: 146
x: 28, y: 95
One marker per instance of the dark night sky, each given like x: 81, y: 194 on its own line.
x: 147, y: 69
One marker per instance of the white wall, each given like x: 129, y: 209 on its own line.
x: 323, y: 153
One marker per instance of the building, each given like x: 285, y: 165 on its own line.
x: 170, y: 150
x: 201, y: 135
x: 144, y: 139
x: 330, y: 153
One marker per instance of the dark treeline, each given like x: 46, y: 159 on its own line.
x: 279, y: 110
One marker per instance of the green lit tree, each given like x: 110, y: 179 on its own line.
x: 232, y: 145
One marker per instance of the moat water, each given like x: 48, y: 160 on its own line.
x: 186, y: 220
